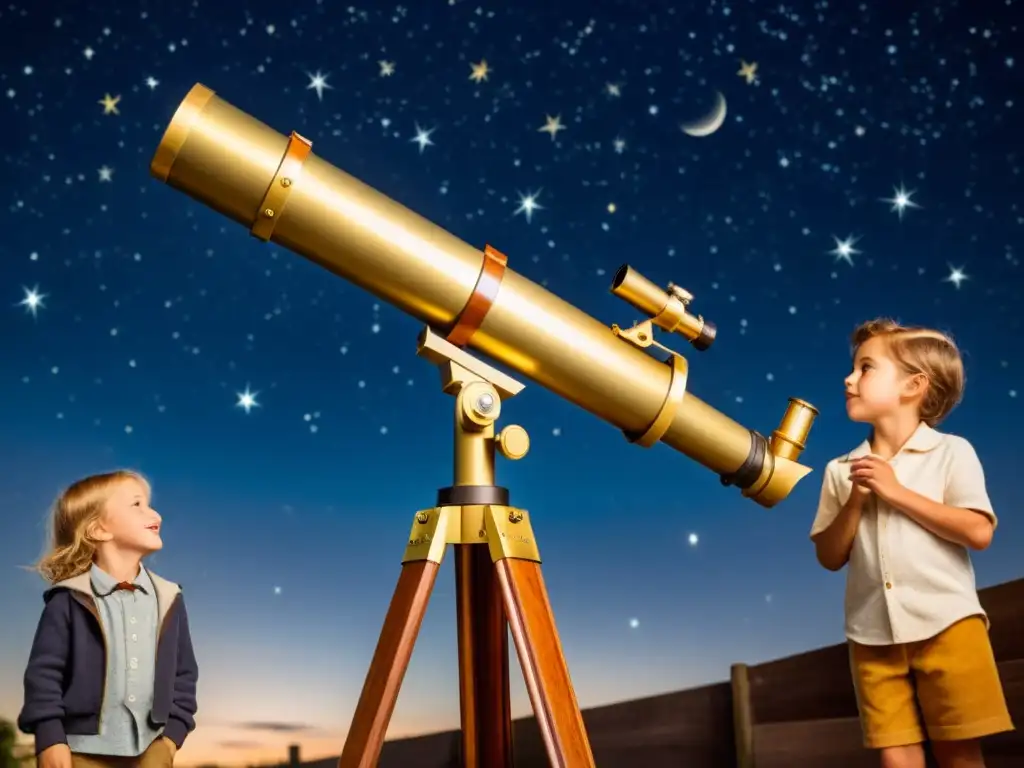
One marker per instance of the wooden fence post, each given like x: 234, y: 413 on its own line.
x: 742, y: 716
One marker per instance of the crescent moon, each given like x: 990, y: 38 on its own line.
x: 711, y: 122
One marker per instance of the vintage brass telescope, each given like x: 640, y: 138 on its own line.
x: 273, y: 185
x: 468, y: 298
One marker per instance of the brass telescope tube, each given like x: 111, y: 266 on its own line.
x: 276, y: 187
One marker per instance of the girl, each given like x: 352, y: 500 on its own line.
x: 111, y: 678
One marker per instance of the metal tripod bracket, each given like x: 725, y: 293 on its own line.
x: 458, y: 367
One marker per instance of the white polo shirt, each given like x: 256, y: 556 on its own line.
x: 904, y: 583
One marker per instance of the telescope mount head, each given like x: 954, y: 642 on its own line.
x: 458, y: 367
x: 479, y: 390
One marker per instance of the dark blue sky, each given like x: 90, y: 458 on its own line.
x: 286, y: 524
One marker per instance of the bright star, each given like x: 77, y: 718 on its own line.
x: 423, y: 138
x: 552, y: 125
x: 106, y: 173
x: 480, y: 71
x: 109, y: 104
x: 619, y: 144
x: 844, y: 249
x: 152, y: 82
x: 900, y: 200
x: 528, y: 204
x: 956, y: 276
x: 387, y: 68
x: 748, y: 71
x: 613, y: 89
x: 318, y: 83
x: 33, y: 301
x: 247, y: 400
x: 634, y: 623
x: 693, y: 539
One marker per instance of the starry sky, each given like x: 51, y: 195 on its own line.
x: 868, y: 164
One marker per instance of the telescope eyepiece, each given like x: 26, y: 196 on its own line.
x: 668, y: 308
x: 706, y: 337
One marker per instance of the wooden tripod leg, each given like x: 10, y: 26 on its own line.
x: 544, y: 668
x: 483, y: 661
x: 390, y: 661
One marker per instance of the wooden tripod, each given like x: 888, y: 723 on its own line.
x: 498, y: 586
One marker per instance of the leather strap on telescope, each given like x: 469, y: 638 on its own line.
x: 750, y: 470
x: 480, y: 301
x: 661, y: 423
x: 281, y: 185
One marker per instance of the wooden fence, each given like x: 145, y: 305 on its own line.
x: 797, y: 711
x: 803, y: 711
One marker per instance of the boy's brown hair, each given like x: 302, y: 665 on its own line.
x: 919, y: 350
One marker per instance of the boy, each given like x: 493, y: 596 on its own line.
x: 902, y: 509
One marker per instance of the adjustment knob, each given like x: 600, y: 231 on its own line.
x: 680, y: 293
x: 513, y: 442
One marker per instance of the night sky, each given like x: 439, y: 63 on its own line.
x: 868, y: 165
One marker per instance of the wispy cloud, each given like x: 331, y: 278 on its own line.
x: 275, y: 727
x: 235, y: 744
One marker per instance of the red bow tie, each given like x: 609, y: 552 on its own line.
x: 126, y: 585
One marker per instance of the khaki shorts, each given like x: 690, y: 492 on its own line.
x: 946, y: 687
x: 157, y: 755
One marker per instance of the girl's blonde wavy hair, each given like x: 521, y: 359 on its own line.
x: 70, y: 550
x: 919, y: 350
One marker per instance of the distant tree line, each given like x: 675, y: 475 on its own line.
x: 8, y: 750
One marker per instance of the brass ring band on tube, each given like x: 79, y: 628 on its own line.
x: 661, y: 423
x: 281, y: 186
x: 480, y: 301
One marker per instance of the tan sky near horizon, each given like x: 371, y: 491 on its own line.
x: 230, y: 746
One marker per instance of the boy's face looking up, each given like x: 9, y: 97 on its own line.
x: 877, y: 387
x: 128, y: 522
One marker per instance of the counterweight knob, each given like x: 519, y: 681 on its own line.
x: 513, y: 442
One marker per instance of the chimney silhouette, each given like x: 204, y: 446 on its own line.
x: 293, y: 756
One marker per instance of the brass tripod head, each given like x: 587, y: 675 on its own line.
x: 479, y: 390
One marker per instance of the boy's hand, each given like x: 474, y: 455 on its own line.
x: 859, y: 493
x: 875, y: 475
x: 57, y: 756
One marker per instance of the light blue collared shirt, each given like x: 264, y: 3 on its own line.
x: 129, y: 620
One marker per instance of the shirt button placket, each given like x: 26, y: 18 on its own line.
x: 133, y: 661
x: 883, y: 529
x: 883, y: 524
